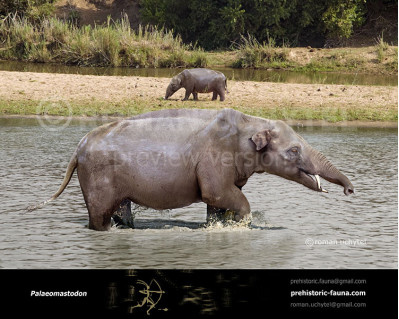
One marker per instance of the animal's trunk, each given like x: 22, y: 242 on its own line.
x: 168, y: 93
x: 329, y: 172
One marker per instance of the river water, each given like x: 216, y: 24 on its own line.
x: 293, y: 227
x: 279, y: 76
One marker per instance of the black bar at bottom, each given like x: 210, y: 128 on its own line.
x: 193, y: 293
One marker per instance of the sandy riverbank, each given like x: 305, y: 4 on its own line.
x: 23, y: 93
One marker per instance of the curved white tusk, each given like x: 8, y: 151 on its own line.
x: 318, y: 181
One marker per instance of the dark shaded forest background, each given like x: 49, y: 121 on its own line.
x: 220, y: 24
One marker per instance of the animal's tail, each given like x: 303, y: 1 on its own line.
x: 71, y: 168
x: 225, y: 86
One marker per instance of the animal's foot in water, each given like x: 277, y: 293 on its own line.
x: 118, y: 223
x: 227, y: 219
x: 246, y: 221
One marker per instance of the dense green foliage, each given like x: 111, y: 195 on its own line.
x: 221, y: 23
x: 30, y: 9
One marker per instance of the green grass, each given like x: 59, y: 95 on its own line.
x: 113, y: 44
x: 252, y: 54
x: 249, y: 53
x: 116, y: 44
x: 329, y: 114
x: 134, y: 107
x: 381, y: 48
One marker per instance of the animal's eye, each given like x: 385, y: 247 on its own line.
x: 294, y: 151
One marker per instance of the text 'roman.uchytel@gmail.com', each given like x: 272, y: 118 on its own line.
x: 335, y: 242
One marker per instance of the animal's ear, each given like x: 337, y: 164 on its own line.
x: 184, y: 75
x: 176, y: 80
x: 261, y: 139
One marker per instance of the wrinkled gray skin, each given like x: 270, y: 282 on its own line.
x: 198, y: 81
x: 172, y: 158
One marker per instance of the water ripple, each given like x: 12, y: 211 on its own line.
x: 285, y: 214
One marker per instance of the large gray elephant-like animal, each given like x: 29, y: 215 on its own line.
x: 172, y: 158
x: 198, y: 81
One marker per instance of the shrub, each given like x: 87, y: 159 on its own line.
x: 381, y: 48
x: 33, y: 10
x: 252, y: 54
x: 112, y: 44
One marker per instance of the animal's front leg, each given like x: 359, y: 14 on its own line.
x: 188, y: 93
x: 217, y: 214
x: 230, y: 199
x: 222, y: 95
x: 217, y: 193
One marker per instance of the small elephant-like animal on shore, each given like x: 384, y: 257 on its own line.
x: 172, y: 158
x: 198, y: 81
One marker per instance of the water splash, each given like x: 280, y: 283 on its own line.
x: 226, y: 221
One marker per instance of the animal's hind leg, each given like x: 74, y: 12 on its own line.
x: 101, y: 203
x: 100, y: 213
x: 102, y: 190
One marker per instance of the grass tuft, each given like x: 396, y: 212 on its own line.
x: 252, y: 54
x: 131, y: 107
x: 113, y: 44
x: 381, y: 48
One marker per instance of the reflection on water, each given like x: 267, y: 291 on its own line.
x: 293, y: 227
x: 232, y: 74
